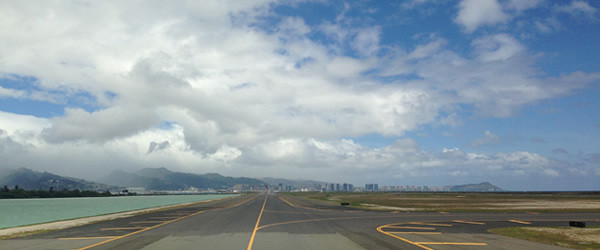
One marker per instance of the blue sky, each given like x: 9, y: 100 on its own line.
x: 421, y: 92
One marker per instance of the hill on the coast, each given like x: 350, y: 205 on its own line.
x: 33, y: 180
x: 481, y: 187
x: 164, y: 179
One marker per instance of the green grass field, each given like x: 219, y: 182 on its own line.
x: 577, y: 238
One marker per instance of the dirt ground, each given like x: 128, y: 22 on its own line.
x: 521, y: 202
x: 575, y: 204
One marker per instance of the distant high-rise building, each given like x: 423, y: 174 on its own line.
x: 345, y: 186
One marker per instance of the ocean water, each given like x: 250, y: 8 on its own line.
x: 21, y: 212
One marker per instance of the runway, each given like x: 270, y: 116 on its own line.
x: 273, y: 221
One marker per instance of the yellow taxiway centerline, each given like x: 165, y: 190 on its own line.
x: 145, y: 222
x: 415, y: 232
x: 453, y: 243
x: 520, y: 222
x: 120, y: 228
x: 430, y: 224
x: 379, y: 229
x: 421, y: 244
x: 236, y: 205
x: 139, y: 231
x: 421, y: 228
x: 88, y: 238
x: 469, y: 222
x: 289, y: 203
x: 322, y: 219
x: 257, y: 223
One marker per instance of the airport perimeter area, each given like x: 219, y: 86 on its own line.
x: 277, y: 221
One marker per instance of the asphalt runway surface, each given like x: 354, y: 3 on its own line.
x: 272, y: 221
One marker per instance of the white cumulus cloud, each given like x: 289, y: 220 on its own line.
x: 578, y: 8
x: 473, y: 14
x: 212, y: 87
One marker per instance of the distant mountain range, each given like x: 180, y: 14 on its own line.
x: 149, y: 178
x: 33, y: 180
x: 481, y: 187
x: 164, y: 179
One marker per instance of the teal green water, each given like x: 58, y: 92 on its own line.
x: 20, y: 212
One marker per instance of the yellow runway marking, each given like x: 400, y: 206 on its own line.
x: 415, y: 232
x: 520, y: 222
x: 430, y: 224
x: 287, y: 202
x: 321, y: 209
x: 120, y: 228
x: 443, y: 212
x: 422, y: 244
x: 379, y: 229
x: 453, y: 243
x: 286, y: 212
x: 236, y: 205
x: 324, y: 219
x: 469, y: 222
x: 139, y: 231
x: 88, y: 238
x: 257, y: 223
x: 421, y: 228
x: 145, y: 222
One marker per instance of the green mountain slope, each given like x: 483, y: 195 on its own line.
x: 32, y: 180
x: 164, y: 179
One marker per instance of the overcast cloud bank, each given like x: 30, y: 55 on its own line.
x: 242, y: 90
